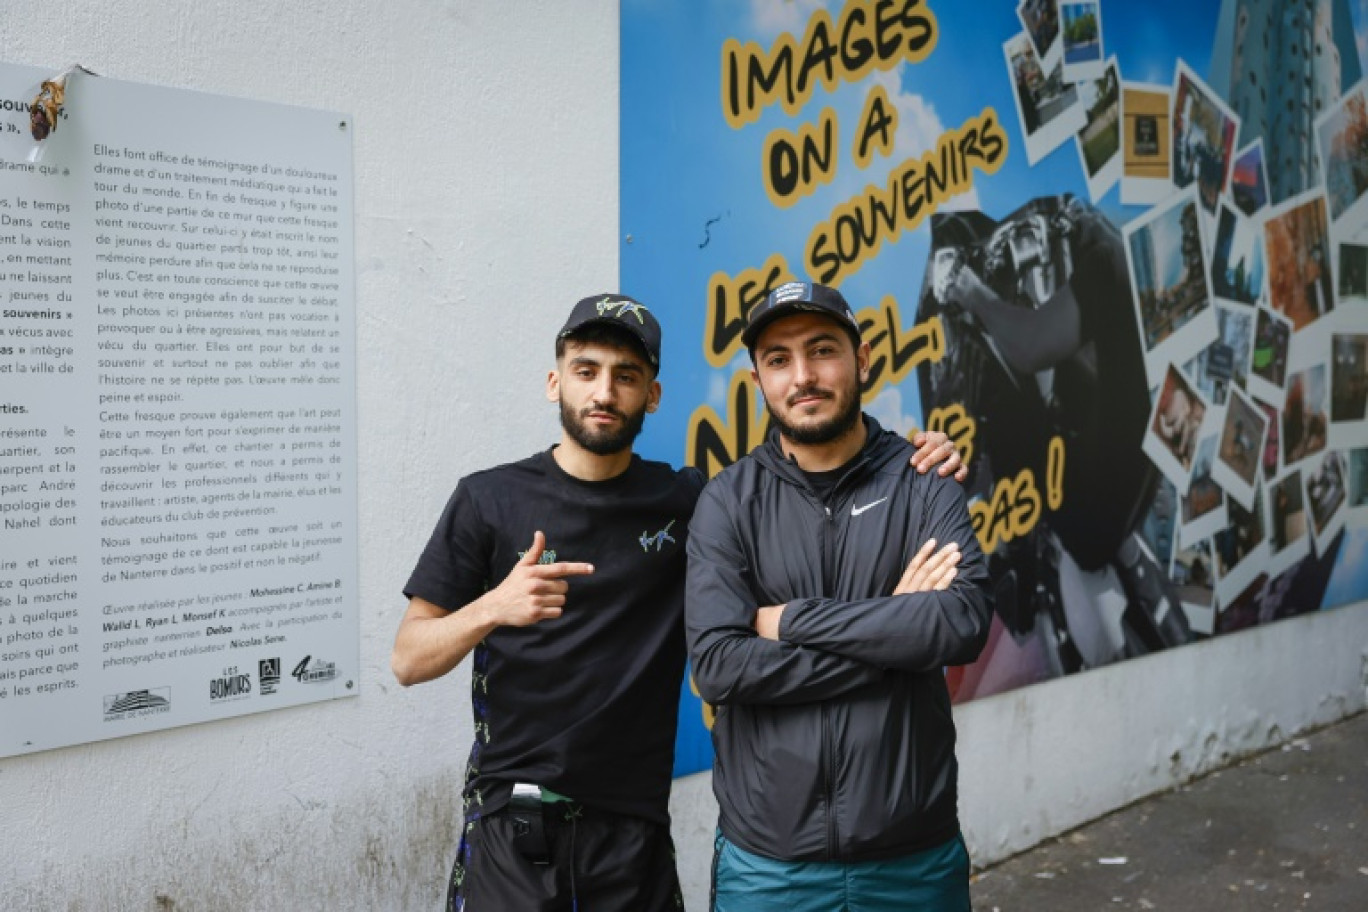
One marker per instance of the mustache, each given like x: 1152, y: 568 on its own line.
x: 603, y: 410
x: 808, y: 393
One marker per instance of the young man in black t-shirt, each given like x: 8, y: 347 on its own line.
x: 563, y: 573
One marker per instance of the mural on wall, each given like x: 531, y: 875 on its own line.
x: 1117, y: 250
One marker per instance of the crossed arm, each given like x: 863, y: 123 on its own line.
x: 819, y: 648
x: 926, y: 572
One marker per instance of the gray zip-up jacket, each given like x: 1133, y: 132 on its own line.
x: 835, y: 743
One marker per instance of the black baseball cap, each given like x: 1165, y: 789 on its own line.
x: 622, y: 312
x: 800, y: 297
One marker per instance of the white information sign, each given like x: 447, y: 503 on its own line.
x: 177, y: 411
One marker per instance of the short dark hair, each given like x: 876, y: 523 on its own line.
x: 605, y: 334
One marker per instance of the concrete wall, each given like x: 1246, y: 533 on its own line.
x: 486, y: 197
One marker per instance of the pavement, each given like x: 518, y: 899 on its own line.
x: 1286, y: 829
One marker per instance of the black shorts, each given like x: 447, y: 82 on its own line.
x: 598, y: 862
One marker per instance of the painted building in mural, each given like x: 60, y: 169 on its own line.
x: 1162, y: 404
x: 1281, y: 67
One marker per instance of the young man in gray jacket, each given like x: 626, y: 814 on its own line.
x: 835, y: 766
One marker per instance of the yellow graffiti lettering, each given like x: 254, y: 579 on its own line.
x: 709, y: 713
x: 857, y: 228
x: 1054, y: 474
x: 893, y: 351
x: 713, y: 444
x: 730, y: 301
x: 879, y: 123
x: 1013, y: 512
x: 863, y: 39
x: 954, y: 422
x: 797, y: 164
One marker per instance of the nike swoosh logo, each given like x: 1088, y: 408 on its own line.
x: 856, y: 511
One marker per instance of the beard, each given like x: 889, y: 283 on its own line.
x: 602, y: 442
x: 833, y: 428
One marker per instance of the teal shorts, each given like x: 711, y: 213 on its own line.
x: 934, y: 880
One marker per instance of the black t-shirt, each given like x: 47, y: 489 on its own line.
x: 584, y: 704
x: 824, y: 482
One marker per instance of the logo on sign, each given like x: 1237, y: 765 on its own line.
x: 268, y: 673
x: 311, y: 670
x: 231, y: 685
x: 137, y: 703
